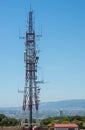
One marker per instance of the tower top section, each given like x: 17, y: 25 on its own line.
x: 30, y: 22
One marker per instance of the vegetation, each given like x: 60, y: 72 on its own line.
x: 6, y: 121
x: 50, y: 121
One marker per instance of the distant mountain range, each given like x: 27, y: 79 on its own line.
x: 72, y: 104
x: 47, y: 109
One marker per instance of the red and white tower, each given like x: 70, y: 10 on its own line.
x: 31, y: 88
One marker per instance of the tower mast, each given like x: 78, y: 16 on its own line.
x: 31, y: 90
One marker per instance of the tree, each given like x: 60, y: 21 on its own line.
x: 2, y: 116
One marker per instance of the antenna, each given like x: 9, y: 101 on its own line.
x: 20, y: 37
x: 31, y: 88
x: 30, y: 7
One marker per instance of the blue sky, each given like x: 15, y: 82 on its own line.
x: 62, y: 46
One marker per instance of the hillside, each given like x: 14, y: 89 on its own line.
x: 63, y: 104
x: 46, y: 109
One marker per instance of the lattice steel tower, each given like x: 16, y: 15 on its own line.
x: 31, y: 88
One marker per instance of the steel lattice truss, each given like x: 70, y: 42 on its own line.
x: 31, y: 89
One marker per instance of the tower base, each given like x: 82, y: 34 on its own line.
x: 33, y: 128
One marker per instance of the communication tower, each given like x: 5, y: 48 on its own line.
x: 31, y: 88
